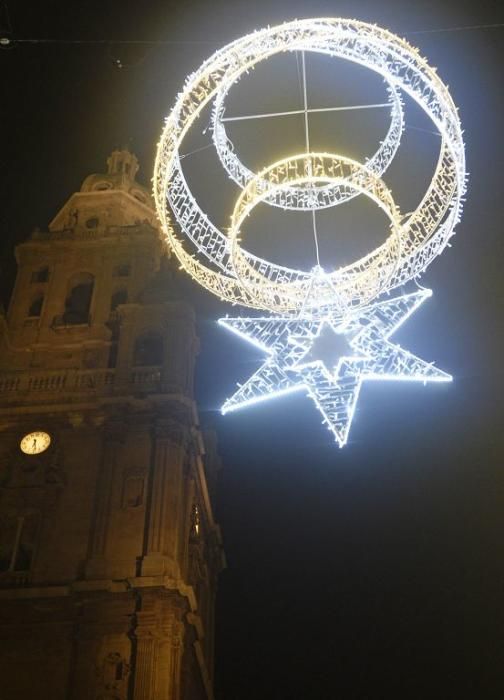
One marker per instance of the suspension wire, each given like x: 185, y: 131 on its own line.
x: 298, y: 67
x: 167, y: 42
x: 196, y: 150
x: 425, y: 131
x: 315, y: 236
x: 264, y: 115
x: 496, y: 25
x: 146, y: 42
x: 350, y: 107
x: 305, y: 102
x: 307, y: 139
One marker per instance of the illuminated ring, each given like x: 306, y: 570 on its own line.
x: 313, y: 168
x: 305, y: 198
x: 424, y: 235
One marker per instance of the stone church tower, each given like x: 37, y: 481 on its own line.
x: 109, y: 552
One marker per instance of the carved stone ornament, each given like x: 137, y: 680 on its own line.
x: 133, y: 489
x: 112, y: 677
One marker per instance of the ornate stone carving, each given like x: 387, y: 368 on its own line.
x: 112, y: 677
x: 133, y: 493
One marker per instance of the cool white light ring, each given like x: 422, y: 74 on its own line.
x: 427, y: 230
x: 303, y: 198
x: 313, y: 168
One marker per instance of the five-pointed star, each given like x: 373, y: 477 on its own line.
x: 362, y: 352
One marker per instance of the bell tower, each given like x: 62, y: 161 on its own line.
x: 109, y: 552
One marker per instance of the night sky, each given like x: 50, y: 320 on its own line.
x: 371, y: 572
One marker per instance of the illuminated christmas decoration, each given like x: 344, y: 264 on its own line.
x: 319, y: 197
x: 369, y: 355
x: 314, y: 168
x: 307, y: 304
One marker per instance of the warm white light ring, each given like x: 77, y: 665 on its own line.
x: 300, y: 198
x: 375, y: 48
x: 197, y: 227
x: 313, y: 168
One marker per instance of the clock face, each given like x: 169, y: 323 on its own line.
x: 35, y: 443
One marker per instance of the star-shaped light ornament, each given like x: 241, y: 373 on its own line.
x: 330, y: 357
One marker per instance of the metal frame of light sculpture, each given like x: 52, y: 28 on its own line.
x: 312, y: 168
x: 305, y: 198
x: 309, y: 301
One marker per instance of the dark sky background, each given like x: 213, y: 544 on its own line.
x: 371, y: 572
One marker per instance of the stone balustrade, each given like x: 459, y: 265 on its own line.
x: 68, y: 384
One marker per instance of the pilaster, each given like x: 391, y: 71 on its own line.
x: 166, y: 506
x: 96, y: 566
x: 159, y: 647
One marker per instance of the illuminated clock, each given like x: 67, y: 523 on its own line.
x: 35, y: 443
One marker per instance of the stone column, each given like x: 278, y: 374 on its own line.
x: 159, y: 645
x: 145, y: 665
x: 177, y: 650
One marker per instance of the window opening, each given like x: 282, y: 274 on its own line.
x: 40, y: 276
x: 118, y: 297
x: 36, y: 306
x: 17, y: 543
x: 78, y: 301
x: 148, y: 351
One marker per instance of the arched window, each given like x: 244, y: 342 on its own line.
x: 78, y: 301
x: 36, y: 306
x: 148, y: 350
x: 120, y: 296
x: 41, y: 275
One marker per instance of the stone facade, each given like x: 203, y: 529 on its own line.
x: 109, y: 553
